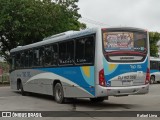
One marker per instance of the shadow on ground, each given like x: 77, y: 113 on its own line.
x: 85, y: 103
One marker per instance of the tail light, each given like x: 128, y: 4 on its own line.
x: 101, y: 78
x: 147, y: 76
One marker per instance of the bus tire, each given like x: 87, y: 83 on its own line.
x: 22, y: 90
x: 152, y: 79
x: 58, y: 93
x: 96, y: 100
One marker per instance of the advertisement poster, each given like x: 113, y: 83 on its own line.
x: 118, y: 40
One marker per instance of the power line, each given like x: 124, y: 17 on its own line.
x: 92, y: 21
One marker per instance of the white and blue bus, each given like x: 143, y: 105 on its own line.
x: 154, y: 70
x: 93, y: 63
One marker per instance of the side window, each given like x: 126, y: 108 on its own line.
x: 153, y: 65
x: 48, y: 55
x: 23, y: 59
x: 85, y: 50
x: 55, y: 54
x: 41, y: 56
x: 13, y: 61
x: 26, y: 60
x: 66, y: 53
x: 36, y: 57
x: 18, y: 60
x: 30, y: 58
x: 157, y: 65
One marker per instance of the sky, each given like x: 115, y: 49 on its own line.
x: 116, y: 13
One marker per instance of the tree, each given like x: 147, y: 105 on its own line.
x: 153, y: 39
x: 27, y: 21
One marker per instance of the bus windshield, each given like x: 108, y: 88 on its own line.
x: 125, y: 46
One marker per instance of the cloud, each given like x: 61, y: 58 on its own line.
x: 134, y: 13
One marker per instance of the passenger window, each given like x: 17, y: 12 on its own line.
x: 36, y: 57
x: 13, y: 62
x: 157, y: 65
x: 23, y: 59
x: 18, y: 60
x: 85, y: 50
x: 26, y: 60
x: 48, y: 55
x: 153, y: 65
x: 30, y: 58
x: 55, y: 54
x: 66, y: 53
x: 41, y: 56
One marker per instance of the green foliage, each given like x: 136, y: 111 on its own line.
x: 27, y: 21
x: 154, y: 37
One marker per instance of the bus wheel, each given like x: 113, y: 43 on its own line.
x: 58, y: 93
x: 152, y: 79
x: 22, y: 91
x: 100, y: 99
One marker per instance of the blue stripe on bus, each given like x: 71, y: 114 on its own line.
x: 119, y: 69
x: 76, y: 75
x: 154, y: 70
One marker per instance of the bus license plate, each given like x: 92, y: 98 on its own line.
x: 127, y: 83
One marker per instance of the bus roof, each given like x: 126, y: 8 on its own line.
x: 68, y: 35
x: 126, y: 28
x: 56, y: 38
x: 154, y: 59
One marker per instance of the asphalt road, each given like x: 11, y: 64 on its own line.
x: 13, y: 101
